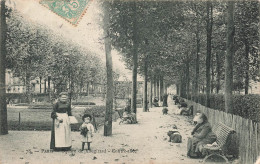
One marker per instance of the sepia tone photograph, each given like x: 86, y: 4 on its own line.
x: 129, y: 82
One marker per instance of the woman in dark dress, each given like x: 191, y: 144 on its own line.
x: 61, y: 130
x: 201, y: 135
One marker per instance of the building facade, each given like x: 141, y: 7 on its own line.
x: 17, y: 84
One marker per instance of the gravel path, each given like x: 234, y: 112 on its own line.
x: 145, y: 142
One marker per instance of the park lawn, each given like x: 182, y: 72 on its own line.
x: 40, y: 119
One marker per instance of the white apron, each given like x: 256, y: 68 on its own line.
x: 62, y: 131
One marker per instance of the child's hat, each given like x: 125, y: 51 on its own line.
x: 85, y: 116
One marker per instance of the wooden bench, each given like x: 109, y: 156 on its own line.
x: 183, y: 104
x: 222, y: 132
x: 187, y: 111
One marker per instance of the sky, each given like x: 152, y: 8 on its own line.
x: 88, y: 33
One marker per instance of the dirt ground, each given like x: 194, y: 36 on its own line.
x: 145, y: 142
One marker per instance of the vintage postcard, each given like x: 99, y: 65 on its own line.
x: 134, y: 81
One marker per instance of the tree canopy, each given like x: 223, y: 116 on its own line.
x: 172, y: 33
x: 34, y: 51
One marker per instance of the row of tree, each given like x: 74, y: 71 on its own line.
x: 187, y: 43
x: 35, y: 51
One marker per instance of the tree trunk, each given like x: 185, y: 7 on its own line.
x: 212, y: 75
x: 154, y: 86
x: 88, y: 88
x: 80, y: 89
x: 192, y: 87
x: 208, y: 57
x: 158, y: 87
x: 40, y: 84
x: 145, y: 106
x: 110, y: 89
x: 28, y: 88
x: 3, y: 108
x: 247, y: 66
x: 161, y: 88
x: 197, y: 71
x: 115, y: 94
x: 181, y: 88
x: 188, y: 79
x: 229, y: 58
x: 218, y: 73
x: 49, y: 88
x: 54, y: 87
x: 183, y: 85
x: 151, y: 94
x: 72, y: 89
x: 93, y: 87
x: 164, y: 88
x: 135, y: 59
x: 45, y: 88
x: 177, y: 89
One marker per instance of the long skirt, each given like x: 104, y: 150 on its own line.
x: 61, y: 132
x: 195, y: 145
x: 192, y: 147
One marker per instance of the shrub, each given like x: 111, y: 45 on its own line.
x: 202, y: 99
x: 16, y: 97
x: 42, y: 105
x: 83, y: 103
x: 246, y: 106
x: 98, y: 111
x: 21, y: 97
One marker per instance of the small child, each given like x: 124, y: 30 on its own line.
x: 86, y: 130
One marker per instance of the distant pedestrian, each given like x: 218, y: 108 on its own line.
x: 61, y: 131
x: 86, y: 130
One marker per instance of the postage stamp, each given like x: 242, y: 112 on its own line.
x: 70, y: 10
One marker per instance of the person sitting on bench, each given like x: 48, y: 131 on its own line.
x: 176, y: 101
x: 129, y: 116
x: 201, y: 135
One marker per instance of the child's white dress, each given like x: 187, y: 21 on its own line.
x: 88, y: 137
